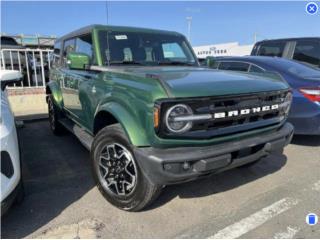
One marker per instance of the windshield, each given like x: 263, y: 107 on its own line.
x: 141, y: 48
x: 300, y: 69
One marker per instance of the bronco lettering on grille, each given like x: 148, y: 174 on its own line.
x: 245, y: 111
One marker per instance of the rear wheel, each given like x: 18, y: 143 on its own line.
x: 117, y: 172
x: 54, y: 115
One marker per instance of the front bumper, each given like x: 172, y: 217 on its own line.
x: 169, y: 166
x: 10, y: 199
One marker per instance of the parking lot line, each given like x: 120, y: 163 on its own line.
x: 288, y: 234
x: 255, y: 220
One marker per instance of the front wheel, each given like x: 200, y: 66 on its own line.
x: 117, y: 172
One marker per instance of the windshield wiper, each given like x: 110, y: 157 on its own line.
x: 176, y: 63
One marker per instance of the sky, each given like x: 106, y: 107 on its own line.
x: 212, y: 22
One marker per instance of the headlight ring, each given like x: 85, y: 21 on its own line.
x: 175, y: 126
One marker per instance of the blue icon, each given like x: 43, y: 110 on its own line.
x: 312, y: 219
x: 312, y: 8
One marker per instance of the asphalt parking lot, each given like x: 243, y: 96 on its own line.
x: 268, y: 200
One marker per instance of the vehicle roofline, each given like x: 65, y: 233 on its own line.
x: 89, y: 28
x: 287, y: 39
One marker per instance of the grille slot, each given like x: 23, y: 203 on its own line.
x: 237, y: 103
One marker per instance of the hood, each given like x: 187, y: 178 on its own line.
x: 203, y: 82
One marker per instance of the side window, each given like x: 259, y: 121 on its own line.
x: 234, y: 66
x: 56, y: 54
x: 272, y: 49
x: 255, y: 69
x: 69, y: 46
x: 84, y: 45
x: 173, y: 51
x: 307, y: 51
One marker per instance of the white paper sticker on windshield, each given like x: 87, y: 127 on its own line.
x: 121, y: 37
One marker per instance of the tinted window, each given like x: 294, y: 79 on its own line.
x: 69, y: 46
x: 234, y: 66
x: 256, y: 69
x: 8, y: 41
x: 84, y: 45
x: 272, y: 49
x: 56, y: 54
x: 308, y: 51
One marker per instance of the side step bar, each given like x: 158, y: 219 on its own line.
x: 85, y: 138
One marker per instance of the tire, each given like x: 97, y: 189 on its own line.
x: 116, y: 172
x: 54, y: 115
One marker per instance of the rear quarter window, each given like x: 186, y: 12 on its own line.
x: 271, y: 49
x: 308, y: 51
x: 234, y: 66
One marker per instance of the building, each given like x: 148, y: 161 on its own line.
x: 224, y: 49
x: 33, y: 41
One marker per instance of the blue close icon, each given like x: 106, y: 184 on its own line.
x: 312, y: 219
x: 312, y: 8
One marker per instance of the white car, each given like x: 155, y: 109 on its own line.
x: 11, y: 183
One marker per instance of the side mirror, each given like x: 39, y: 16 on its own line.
x: 9, y: 77
x: 78, y: 60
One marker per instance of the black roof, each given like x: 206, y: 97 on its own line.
x: 88, y: 29
x: 288, y: 39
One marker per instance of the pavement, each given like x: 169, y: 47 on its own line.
x: 268, y: 200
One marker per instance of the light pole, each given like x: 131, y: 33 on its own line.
x: 189, y: 20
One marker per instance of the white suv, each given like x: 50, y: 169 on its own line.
x: 11, y: 183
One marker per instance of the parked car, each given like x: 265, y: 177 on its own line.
x: 11, y: 183
x: 304, y: 80
x: 151, y: 116
x: 306, y: 50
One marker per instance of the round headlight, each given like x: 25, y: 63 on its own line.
x: 174, y: 118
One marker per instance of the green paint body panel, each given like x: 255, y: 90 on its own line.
x: 130, y: 92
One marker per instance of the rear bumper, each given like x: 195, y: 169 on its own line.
x: 169, y: 166
x: 306, y: 125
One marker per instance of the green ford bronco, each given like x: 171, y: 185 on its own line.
x: 151, y: 116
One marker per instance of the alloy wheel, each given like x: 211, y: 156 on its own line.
x: 117, y: 169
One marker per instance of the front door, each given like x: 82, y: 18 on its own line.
x: 73, y: 79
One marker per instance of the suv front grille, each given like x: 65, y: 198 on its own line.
x: 234, y: 124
